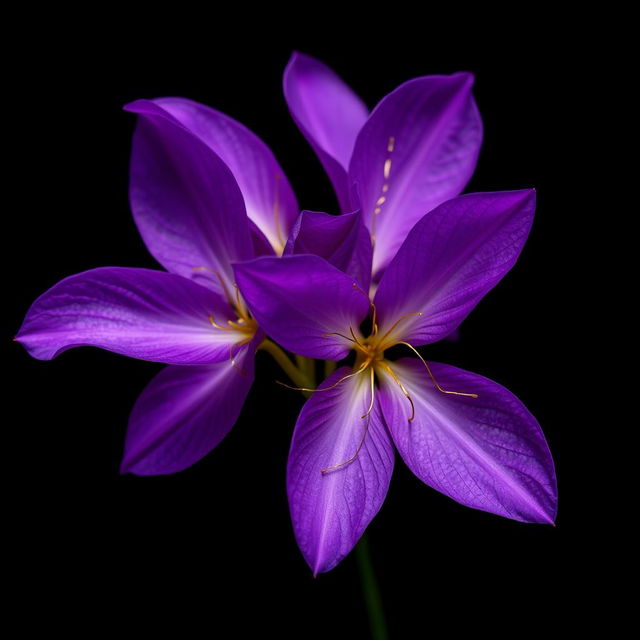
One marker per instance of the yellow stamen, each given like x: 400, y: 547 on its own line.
x: 218, y: 326
x: 354, y: 456
x: 389, y: 370
x: 424, y: 362
x: 397, y: 322
x: 373, y: 394
x: 333, y: 386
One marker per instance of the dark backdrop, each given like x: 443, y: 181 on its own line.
x: 213, y: 544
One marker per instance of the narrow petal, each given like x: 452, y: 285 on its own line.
x: 185, y: 412
x: 299, y: 300
x: 332, y: 503
x: 329, y: 115
x: 418, y: 148
x: 140, y: 313
x: 268, y: 196
x: 488, y: 452
x: 342, y: 241
x: 450, y: 260
x: 185, y: 200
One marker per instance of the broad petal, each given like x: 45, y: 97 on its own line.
x: 488, y: 452
x: 450, y: 260
x: 341, y: 240
x: 140, y: 313
x: 329, y: 115
x: 418, y: 148
x: 331, y: 510
x: 268, y: 196
x: 185, y: 200
x: 299, y: 300
x: 185, y: 412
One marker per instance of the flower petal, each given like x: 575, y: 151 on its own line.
x: 341, y: 240
x: 329, y: 115
x: 185, y: 200
x: 418, y: 148
x: 331, y: 510
x: 298, y: 300
x: 140, y: 313
x: 488, y: 452
x: 185, y: 412
x: 268, y: 196
x: 450, y: 260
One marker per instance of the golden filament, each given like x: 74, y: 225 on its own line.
x: 437, y: 384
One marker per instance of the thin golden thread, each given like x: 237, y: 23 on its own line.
x: 397, y: 322
x: 354, y: 456
x: 353, y: 335
x: 333, y: 386
x: 424, y: 362
x: 373, y: 308
x: 336, y: 333
x: 366, y: 415
x: 373, y: 393
x: 386, y: 172
x: 402, y: 388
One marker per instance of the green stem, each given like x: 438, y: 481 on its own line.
x: 370, y: 591
x: 296, y: 376
x: 308, y: 368
x: 329, y: 367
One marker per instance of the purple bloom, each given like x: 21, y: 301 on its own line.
x: 417, y: 148
x: 205, y: 192
x: 460, y: 433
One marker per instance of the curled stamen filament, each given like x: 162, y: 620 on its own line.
x: 397, y: 322
x: 373, y: 394
x: 390, y: 371
x: 435, y: 382
x: 219, y: 326
x: 333, y: 467
x: 333, y: 386
x: 373, y: 309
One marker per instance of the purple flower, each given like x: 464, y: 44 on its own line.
x: 460, y: 433
x: 417, y: 148
x: 205, y: 192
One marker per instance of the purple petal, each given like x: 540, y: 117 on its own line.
x: 341, y: 240
x: 140, y: 313
x: 450, y: 260
x: 488, y: 452
x: 329, y: 115
x: 268, y: 196
x: 185, y: 200
x: 185, y: 412
x: 261, y: 246
x: 418, y: 148
x: 298, y: 300
x: 331, y: 510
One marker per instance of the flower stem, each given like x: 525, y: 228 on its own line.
x: 370, y: 591
x: 329, y: 367
x: 308, y: 368
x: 296, y: 376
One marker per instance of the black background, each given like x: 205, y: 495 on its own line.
x: 213, y: 545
